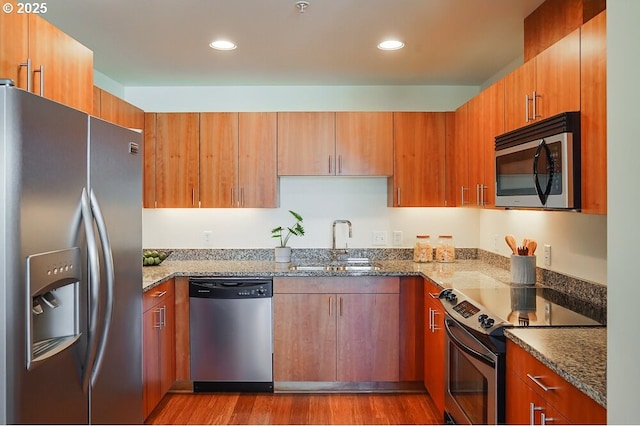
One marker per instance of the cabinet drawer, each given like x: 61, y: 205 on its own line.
x: 157, y: 295
x: 308, y: 285
x: 567, y: 399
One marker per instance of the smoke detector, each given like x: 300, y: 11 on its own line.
x: 302, y: 5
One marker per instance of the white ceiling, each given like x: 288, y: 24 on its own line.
x: 165, y: 42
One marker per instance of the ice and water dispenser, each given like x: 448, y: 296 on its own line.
x: 53, y: 297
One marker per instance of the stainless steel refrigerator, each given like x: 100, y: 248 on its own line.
x: 70, y: 265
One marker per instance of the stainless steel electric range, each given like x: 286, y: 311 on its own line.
x: 475, y: 320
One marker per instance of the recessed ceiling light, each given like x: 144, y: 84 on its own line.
x: 390, y: 45
x: 222, y: 45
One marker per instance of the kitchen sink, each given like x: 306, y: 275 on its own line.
x: 351, y: 264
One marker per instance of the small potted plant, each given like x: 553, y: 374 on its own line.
x: 283, y: 252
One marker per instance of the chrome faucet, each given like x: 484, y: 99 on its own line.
x: 335, y: 222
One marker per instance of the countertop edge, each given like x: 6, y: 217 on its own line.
x: 579, y: 384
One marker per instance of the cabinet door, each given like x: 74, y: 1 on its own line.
x: 62, y: 67
x: 167, y: 346
x: 118, y: 111
x: 151, y: 359
x: 460, y: 157
x: 257, y: 173
x: 219, y: 159
x: 519, y: 85
x: 149, y: 171
x: 177, y: 137
x: 304, y: 337
x: 368, y: 337
x: 434, y: 347
x: 593, y: 115
x: 419, y: 160
x: 475, y: 144
x: 306, y: 143
x: 14, y: 45
x: 558, y: 77
x: 364, y: 143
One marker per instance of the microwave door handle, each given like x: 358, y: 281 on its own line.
x: 543, y: 195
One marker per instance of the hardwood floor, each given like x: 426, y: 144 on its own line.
x: 295, y: 408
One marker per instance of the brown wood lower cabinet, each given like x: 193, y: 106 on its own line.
x: 434, y: 348
x: 158, y: 351
x: 336, y: 329
x: 537, y: 395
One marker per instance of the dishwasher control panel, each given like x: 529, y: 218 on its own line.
x: 230, y: 288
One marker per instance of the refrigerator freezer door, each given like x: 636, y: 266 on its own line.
x: 44, y: 171
x: 116, y: 184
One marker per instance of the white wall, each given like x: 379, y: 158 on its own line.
x: 623, y: 346
x: 300, y: 98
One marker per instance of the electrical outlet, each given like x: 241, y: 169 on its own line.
x: 547, y: 255
x: 397, y: 238
x: 379, y: 238
x: 207, y: 238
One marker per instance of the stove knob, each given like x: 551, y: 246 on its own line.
x: 482, y: 317
x: 451, y: 297
x: 487, y: 323
x: 444, y: 294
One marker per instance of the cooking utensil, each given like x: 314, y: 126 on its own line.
x: 511, y: 242
x: 532, y: 245
x: 523, y: 251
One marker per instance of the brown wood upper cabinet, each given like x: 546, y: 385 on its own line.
x: 545, y: 85
x: 593, y: 115
x: 115, y: 110
x: 238, y: 160
x: 335, y: 143
x: 419, y: 160
x: 176, y: 154
x: 44, y: 60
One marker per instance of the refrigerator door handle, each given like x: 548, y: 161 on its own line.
x: 110, y: 282
x: 94, y: 288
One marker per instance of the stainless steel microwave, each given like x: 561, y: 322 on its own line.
x: 538, y: 166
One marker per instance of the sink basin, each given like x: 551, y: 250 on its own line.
x: 351, y: 264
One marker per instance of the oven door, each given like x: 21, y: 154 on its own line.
x: 538, y: 173
x: 474, y: 377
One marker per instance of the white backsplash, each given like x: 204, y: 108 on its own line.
x: 578, y: 241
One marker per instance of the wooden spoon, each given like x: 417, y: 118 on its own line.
x: 511, y: 242
x: 532, y: 246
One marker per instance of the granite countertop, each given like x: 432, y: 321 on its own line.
x: 578, y: 355
x: 554, y: 347
x: 462, y: 273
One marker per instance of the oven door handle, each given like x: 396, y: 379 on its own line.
x: 543, y: 195
x: 480, y: 356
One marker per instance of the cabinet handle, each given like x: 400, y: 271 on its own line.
x: 526, y: 108
x: 163, y: 316
x: 339, y: 164
x: 330, y: 305
x: 462, y: 194
x: 435, y: 328
x: 28, y: 65
x: 330, y: 171
x: 536, y: 380
x: 535, y: 102
x: 433, y: 295
x: 398, y: 196
x: 532, y: 413
x: 158, y: 323
x: 41, y: 71
x: 162, y: 293
x: 340, y: 311
x: 242, y: 197
x: 193, y: 196
x: 544, y: 419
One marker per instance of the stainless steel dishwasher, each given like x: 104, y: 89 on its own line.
x: 231, y: 334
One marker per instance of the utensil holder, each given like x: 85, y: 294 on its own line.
x: 523, y: 270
